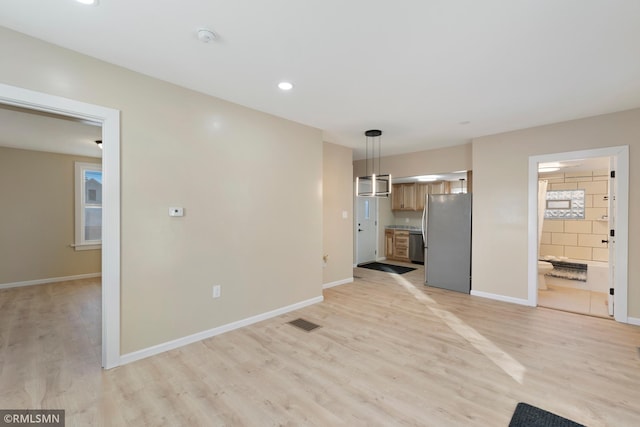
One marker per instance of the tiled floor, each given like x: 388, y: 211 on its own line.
x: 574, y: 300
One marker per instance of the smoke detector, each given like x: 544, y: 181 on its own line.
x: 205, y: 36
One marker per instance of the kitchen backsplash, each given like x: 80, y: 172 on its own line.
x: 407, y: 218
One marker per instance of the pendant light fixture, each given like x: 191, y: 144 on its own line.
x: 373, y: 184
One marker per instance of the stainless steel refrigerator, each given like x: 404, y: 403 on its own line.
x: 446, y: 230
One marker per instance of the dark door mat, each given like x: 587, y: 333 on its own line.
x: 397, y: 269
x: 530, y: 416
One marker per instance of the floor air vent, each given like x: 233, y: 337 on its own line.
x: 304, y: 324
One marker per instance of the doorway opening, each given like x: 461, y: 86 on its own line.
x: 366, y: 227
x: 573, y: 272
x: 397, y: 234
x: 110, y: 122
x: 578, y: 223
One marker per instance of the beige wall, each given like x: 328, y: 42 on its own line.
x: 337, y: 198
x: 441, y: 160
x: 579, y: 238
x: 250, y: 184
x: 500, y: 186
x: 37, y: 227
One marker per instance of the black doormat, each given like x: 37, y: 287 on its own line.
x: 530, y: 416
x: 397, y: 269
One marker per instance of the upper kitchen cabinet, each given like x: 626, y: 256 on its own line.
x: 441, y: 187
x: 410, y: 196
x: 422, y: 189
x: 403, y: 197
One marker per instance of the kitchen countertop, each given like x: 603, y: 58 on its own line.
x: 411, y: 228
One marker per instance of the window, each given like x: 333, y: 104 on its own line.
x: 88, y: 189
x: 565, y: 204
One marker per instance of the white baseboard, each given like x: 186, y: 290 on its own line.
x: 337, y: 283
x: 190, y: 339
x: 49, y: 280
x: 633, y: 321
x: 500, y: 298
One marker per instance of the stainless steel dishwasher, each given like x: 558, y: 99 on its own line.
x: 416, y: 247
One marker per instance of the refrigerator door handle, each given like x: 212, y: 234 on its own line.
x: 424, y: 223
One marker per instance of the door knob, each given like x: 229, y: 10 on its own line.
x: 359, y: 229
x: 605, y: 241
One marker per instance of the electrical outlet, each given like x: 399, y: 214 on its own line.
x: 216, y: 291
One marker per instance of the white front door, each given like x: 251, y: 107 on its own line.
x: 366, y: 229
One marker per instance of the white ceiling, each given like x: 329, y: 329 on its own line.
x: 417, y: 69
x: 33, y: 130
x: 451, y: 176
x: 590, y: 164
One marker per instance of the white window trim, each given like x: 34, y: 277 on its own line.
x: 81, y: 244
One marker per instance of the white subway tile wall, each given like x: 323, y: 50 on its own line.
x: 579, y: 238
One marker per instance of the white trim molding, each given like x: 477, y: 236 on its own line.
x: 80, y: 204
x: 49, y: 280
x: 633, y: 321
x: 337, y: 283
x: 190, y: 339
x: 109, y: 118
x: 504, y: 298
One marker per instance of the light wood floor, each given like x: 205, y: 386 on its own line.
x: 580, y: 301
x: 389, y: 352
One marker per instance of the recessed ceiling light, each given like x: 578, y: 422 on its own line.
x: 88, y: 2
x: 285, y: 86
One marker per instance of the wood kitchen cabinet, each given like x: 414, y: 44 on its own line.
x: 411, y: 196
x: 422, y: 189
x: 403, y: 197
x: 388, y: 244
x: 396, y: 197
x: 401, y: 245
x: 397, y: 245
x: 437, y: 188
